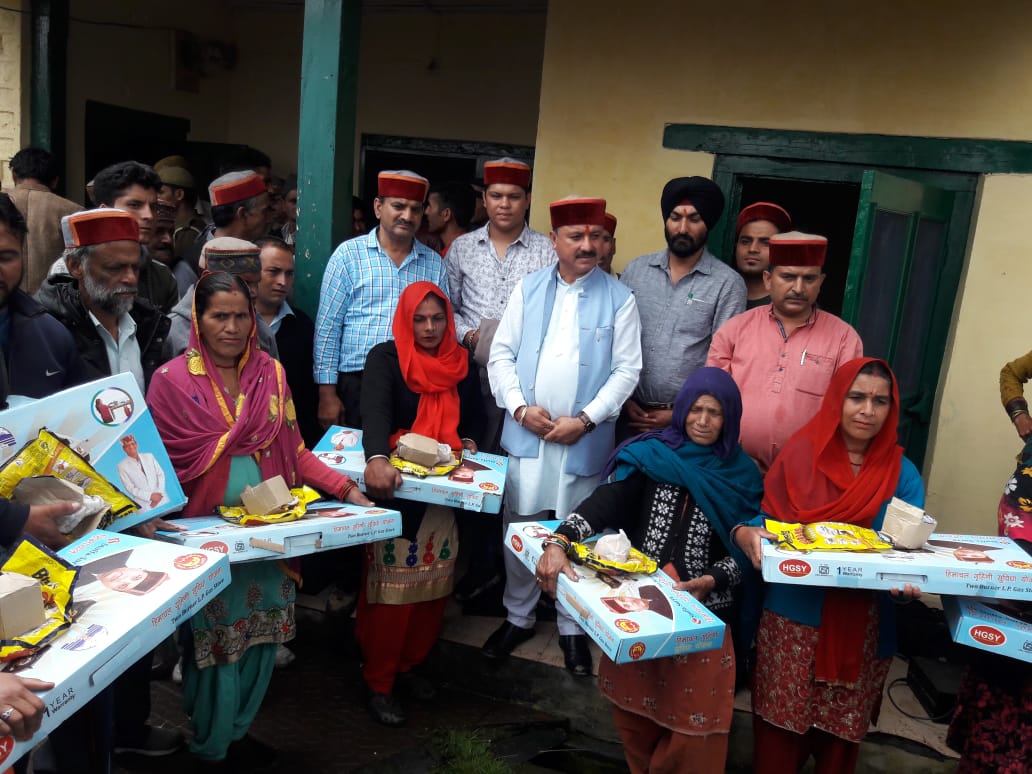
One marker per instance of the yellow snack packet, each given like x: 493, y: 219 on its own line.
x: 57, y: 579
x: 236, y: 514
x: 423, y: 472
x: 636, y: 561
x: 826, y: 536
x: 48, y: 455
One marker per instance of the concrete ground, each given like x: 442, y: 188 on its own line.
x: 538, y: 717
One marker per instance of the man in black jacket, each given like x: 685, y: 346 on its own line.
x: 39, y: 359
x: 114, y: 329
x: 39, y: 354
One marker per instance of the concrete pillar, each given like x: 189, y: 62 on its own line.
x: 329, y: 85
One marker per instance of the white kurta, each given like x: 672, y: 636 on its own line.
x: 141, y: 478
x: 539, y: 483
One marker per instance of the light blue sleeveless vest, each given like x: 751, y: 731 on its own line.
x: 600, y: 298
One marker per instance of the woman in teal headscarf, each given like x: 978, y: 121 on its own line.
x: 676, y: 493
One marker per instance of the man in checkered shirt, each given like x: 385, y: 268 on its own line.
x: 360, y: 289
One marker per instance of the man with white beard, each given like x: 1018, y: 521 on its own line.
x: 98, y: 300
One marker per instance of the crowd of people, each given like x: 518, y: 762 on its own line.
x: 682, y: 401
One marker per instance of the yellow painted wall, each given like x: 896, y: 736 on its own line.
x: 483, y: 86
x: 11, y: 50
x: 615, y: 73
x: 974, y: 443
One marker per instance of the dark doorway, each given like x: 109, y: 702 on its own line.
x: 115, y: 133
x: 816, y: 207
x: 436, y: 160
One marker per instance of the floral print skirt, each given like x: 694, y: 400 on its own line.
x: 256, y: 608
x: 692, y: 694
x: 786, y: 693
x: 992, y: 726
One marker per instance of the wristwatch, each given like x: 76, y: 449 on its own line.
x: 588, y: 424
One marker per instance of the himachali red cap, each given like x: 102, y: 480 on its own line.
x: 236, y: 256
x: 610, y: 226
x: 507, y: 171
x: 764, y: 211
x: 402, y: 184
x: 235, y: 187
x: 94, y: 227
x: 578, y: 212
x: 794, y: 248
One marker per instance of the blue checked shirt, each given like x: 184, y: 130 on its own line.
x: 360, y: 291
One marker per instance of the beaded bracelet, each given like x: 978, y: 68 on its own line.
x: 555, y: 539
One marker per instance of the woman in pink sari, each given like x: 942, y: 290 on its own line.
x: 227, y: 418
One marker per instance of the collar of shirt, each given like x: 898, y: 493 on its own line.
x: 29, y: 185
x: 284, y: 310
x: 704, y: 265
x: 372, y: 243
x: 124, y: 355
x: 484, y: 233
x: 781, y: 326
x: 126, y: 327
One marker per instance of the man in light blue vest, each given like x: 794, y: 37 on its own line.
x: 564, y: 359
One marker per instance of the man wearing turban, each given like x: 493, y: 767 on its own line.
x: 684, y: 293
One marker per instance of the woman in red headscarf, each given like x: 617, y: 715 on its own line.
x: 823, y: 654
x: 421, y: 382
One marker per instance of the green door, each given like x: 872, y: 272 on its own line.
x: 893, y: 295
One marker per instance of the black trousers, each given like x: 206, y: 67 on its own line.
x: 349, y: 390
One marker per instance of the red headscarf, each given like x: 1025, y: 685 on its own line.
x: 434, y: 378
x: 812, y: 480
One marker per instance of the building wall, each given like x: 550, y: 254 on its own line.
x: 132, y: 67
x: 615, y: 73
x: 467, y: 77
x: 11, y: 117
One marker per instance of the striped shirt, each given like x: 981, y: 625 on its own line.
x: 360, y: 292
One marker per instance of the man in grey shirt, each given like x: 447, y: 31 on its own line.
x: 683, y: 293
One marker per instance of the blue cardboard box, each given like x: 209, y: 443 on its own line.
x: 992, y: 627
x: 131, y: 594
x: 96, y: 419
x: 963, y: 565
x: 476, y: 485
x: 633, y: 618
x: 326, y: 526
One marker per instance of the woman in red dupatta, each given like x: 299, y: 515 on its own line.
x: 226, y: 416
x: 420, y: 382
x: 823, y: 654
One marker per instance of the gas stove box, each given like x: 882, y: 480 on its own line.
x: 162, y: 587
x: 962, y: 565
x: 990, y: 627
x: 666, y: 622
x: 476, y: 485
x: 94, y: 418
x: 326, y: 526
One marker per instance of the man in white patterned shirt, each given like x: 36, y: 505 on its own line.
x: 486, y: 265
x: 360, y: 290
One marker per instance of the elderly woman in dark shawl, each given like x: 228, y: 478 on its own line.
x: 677, y: 493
